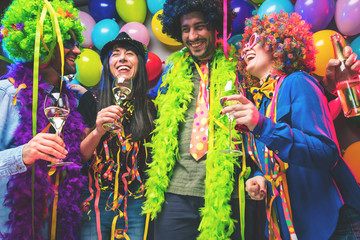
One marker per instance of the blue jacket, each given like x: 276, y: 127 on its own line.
x: 319, y: 181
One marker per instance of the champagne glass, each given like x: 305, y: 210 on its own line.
x: 56, y: 108
x: 225, y: 103
x: 120, y: 93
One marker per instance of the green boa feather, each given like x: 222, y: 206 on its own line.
x: 216, y: 220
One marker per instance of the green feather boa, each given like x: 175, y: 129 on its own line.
x: 216, y: 221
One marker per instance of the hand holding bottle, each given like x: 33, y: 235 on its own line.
x: 347, y: 84
x: 333, y: 68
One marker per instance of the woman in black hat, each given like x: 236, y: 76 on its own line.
x: 113, y: 204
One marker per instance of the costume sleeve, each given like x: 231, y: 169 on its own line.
x: 10, y: 158
x: 304, y: 134
x: 87, y: 108
x: 159, y: 88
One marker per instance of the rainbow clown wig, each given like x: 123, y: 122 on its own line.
x: 212, y: 9
x: 19, y: 27
x: 287, y: 37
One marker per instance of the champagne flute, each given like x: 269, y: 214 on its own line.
x: 224, y: 103
x: 56, y: 108
x: 120, y: 93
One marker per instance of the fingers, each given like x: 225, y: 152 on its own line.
x: 107, y: 115
x: 256, y: 187
x: 241, y: 98
x: 46, y: 146
x: 110, y: 114
x: 78, y: 88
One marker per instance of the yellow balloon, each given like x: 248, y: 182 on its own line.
x: 352, y: 158
x: 325, y: 50
x: 157, y: 30
x: 88, y: 68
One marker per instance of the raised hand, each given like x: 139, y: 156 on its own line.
x: 244, y: 113
x: 45, y: 146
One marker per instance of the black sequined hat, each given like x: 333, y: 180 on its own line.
x: 124, y: 38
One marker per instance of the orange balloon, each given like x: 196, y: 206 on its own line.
x: 325, y: 49
x: 352, y: 158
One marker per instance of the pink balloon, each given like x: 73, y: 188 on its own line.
x: 137, y: 31
x: 347, y: 16
x: 88, y: 22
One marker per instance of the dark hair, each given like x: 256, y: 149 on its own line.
x: 212, y: 9
x: 141, y: 123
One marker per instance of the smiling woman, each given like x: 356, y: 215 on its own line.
x: 120, y: 157
x: 292, y: 138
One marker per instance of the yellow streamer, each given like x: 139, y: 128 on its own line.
x: 146, y: 226
x: 54, y: 210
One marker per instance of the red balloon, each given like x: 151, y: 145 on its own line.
x: 153, y: 66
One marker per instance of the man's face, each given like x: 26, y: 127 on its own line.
x: 197, y: 36
x: 71, y: 52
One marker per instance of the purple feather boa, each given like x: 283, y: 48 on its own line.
x: 18, y: 197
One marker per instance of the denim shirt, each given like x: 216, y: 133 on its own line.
x: 10, y: 156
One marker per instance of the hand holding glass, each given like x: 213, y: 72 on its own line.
x: 56, y: 108
x: 120, y: 93
x: 230, y: 151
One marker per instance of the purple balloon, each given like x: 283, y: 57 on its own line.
x: 88, y: 22
x: 318, y: 13
x: 102, y: 9
x: 244, y: 10
x: 347, y: 16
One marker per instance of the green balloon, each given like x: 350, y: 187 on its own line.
x: 88, y: 68
x: 131, y: 10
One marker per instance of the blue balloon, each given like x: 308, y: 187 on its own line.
x: 318, y: 14
x: 103, y: 32
x: 235, y: 41
x: 155, y: 5
x: 355, y: 45
x: 243, y: 10
x: 75, y: 81
x: 102, y: 9
x: 270, y: 6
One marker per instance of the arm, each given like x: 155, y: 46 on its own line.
x: 106, y: 115
x: 13, y: 159
x: 304, y: 134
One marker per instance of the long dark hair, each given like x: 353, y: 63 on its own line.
x: 141, y: 123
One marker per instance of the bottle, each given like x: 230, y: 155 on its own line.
x: 348, y: 86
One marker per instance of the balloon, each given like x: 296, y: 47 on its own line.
x: 157, y: 30
x: 235, y: 41
x: 103, y: 32
x: 355, y: 45
x: 153, y: 66
x: 131, y: 11
x: 88, y: 22
x: 270, y: 6
x: 88, y: 68
x: 137, y: 31
x: 318, y: 14
x: 325, y: 50
x: 243, y: 10
x: 75, y: 81
x: 258, y: 1
x: 155, y: 5
x: 102, y: 9
x: 352, y: 158
x: 347, y: 16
